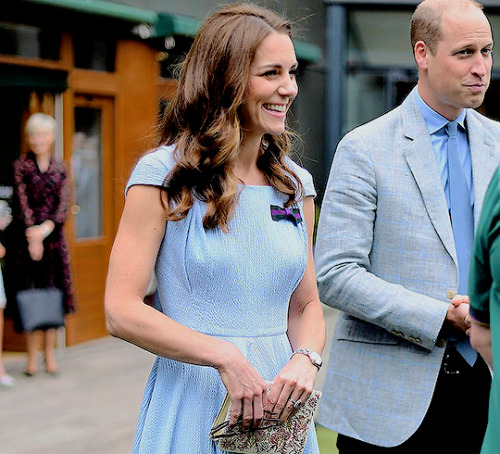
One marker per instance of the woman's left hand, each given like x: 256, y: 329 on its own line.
x: 306, y: 329
x: 291, y: 387
x: 35, y: 233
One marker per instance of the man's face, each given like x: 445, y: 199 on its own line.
x: 458, y: 75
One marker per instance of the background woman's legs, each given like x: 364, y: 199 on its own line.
x: 32, y: 345
x: 49, y: 349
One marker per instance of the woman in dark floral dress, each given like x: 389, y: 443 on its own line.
x: 37, y: 253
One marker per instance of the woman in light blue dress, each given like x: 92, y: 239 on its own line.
x: 224, y: 218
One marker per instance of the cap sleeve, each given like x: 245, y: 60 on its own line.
x: 152, y: 168
x: 304, y: 176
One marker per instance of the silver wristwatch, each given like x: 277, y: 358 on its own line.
x: 313, y: 356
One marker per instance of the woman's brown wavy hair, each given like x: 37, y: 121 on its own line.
x: 203, y: 122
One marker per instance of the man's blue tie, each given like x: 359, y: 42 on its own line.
x: 462, y: 223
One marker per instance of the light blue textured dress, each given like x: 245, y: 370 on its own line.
x: 235, y: 286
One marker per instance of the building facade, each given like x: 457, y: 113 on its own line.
x: 105, y: 68
x: 369, y: 63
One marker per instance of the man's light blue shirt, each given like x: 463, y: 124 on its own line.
x: 436, y: 125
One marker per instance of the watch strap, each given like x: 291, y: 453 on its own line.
x: 311, y: 354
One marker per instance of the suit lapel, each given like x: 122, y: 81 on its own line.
x: 483, y: 155
x: 422, y: 162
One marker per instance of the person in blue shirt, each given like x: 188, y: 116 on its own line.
x: 393, y: 250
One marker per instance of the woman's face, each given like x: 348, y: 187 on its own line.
x: 272, y: 86
x: 40, y: 141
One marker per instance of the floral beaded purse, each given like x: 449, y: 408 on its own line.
x: 273, y: 436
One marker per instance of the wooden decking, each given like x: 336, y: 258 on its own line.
x: 90, y: 407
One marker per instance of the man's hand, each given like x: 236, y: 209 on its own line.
x: 458, y: 312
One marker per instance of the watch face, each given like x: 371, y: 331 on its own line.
x: 315, y: 358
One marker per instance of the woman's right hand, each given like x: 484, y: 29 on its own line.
x: 35, y: 236
x: 246, y: 388
x: 35, y: 249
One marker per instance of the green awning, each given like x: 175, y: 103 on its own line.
x: 170, y: 25
x: 307, y: 51
x: 163, y: 24
x: 33, y: 78
x: 104, y: 8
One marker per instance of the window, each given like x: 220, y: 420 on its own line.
x: 368, y: 39
x: 29, y: 41
x: 94, y: 52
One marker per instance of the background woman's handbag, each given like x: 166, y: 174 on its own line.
x: 40, y: 308
x: 273, y: 436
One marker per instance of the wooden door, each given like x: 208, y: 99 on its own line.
x: 91, y: 224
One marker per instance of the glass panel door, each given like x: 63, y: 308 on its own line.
x: 91, y: 226
x: 87, y: 163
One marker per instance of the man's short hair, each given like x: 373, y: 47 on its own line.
x: 426, y: 21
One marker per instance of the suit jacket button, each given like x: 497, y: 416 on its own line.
x: 397, y: 333
x: 416, y: 340
x: 441, y: 343
x: 450, y: 293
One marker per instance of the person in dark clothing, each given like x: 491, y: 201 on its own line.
x: 37, y: 252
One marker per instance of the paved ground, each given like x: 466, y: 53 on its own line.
x: 90, y: 407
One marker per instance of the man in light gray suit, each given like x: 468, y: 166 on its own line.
x: 401, y: 372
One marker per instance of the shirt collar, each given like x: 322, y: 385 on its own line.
x: 433, y: 120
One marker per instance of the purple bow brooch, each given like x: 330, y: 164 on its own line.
x: 291, y: 214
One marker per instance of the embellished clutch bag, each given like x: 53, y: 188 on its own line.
x: 273, y: 436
